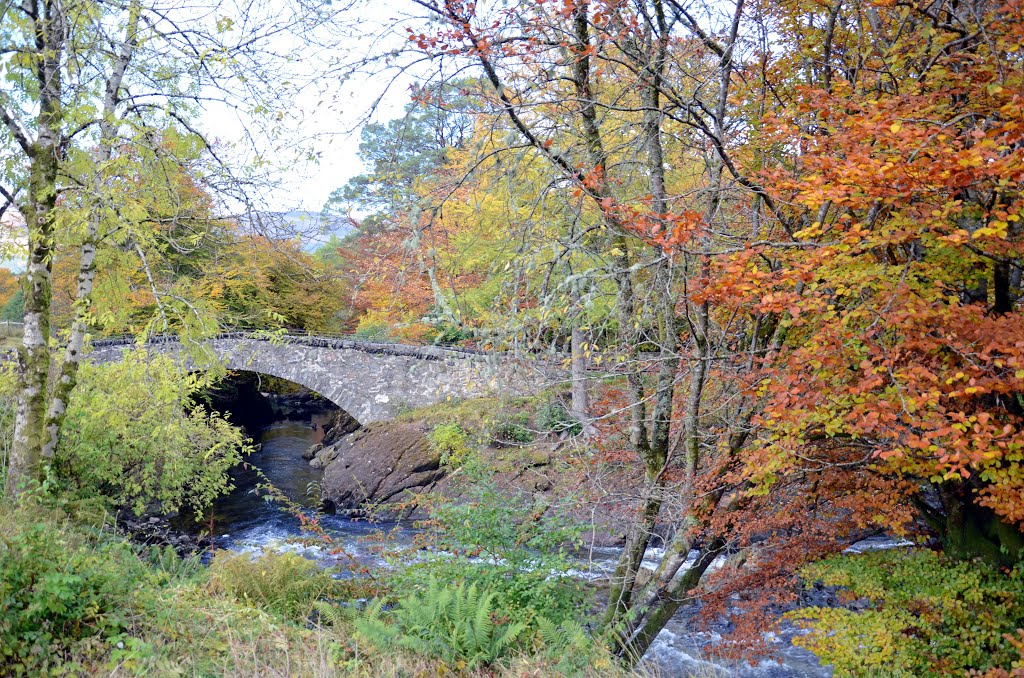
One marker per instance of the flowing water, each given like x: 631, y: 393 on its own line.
x: 245, y: 521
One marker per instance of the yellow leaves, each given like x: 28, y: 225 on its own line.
x: 995, y: 229
x: 812, y: 231
x: 969, y: 161
x: 896, y: 127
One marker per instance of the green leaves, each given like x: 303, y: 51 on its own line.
x: 929, y: 616
x: 54, y: 596
x: 133, y: 436
x: 451, y: 443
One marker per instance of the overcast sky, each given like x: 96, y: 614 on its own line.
x: 326, y: 117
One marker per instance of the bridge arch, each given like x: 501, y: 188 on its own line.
x: 371, y: 381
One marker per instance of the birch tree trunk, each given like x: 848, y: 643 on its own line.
x: 87, y: 258
x: 43, y: 154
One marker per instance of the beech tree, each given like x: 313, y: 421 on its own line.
x: 809, y: 217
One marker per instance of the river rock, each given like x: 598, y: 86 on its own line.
x: 390, y: 462
x: 157, y: 531
x: 539, y: 456
x: 340, y: 425
x: 379, y: 464
x: 324, y: 456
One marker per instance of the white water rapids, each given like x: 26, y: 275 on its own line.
x: 246, y: 522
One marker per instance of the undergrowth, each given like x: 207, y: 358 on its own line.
x: 457, y: 624
x: 77, y: 599
x: 282, y: 583
x: 928, y: 616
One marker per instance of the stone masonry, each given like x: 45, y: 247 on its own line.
x: 370, y: 381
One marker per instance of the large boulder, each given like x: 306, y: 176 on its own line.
x: 340, y: 425
x: 392, y: 462
x: 382, y: 463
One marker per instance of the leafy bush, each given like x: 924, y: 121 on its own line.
x: 56, y: 597
x: 458, y: 624
x: 511, y: 428
x: 930, y: 616
x: 283, y: 583
x: 555, y: 418
x: 451, y: 442
x: 132, y: 435
x: 452, y: 334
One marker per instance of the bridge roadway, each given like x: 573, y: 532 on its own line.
x: 372, y: 381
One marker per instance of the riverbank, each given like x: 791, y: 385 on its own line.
x: 129, y: 610
x: 685, y: 647
x: 247, y: 524
x: 394, y: 469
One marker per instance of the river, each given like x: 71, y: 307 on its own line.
x: 244, y: 521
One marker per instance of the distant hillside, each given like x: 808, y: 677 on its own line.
x: 312, y: 228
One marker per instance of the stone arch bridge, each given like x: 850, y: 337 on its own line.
x: 369, y: 380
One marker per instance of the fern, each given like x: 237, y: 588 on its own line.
x: 334, y: 615
x: 455, y: 624
x: 568, y: 644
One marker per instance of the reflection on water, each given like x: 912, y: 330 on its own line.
x: 280, y: 460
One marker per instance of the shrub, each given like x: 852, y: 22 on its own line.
x: 511, y: 428
x: 555, y: 418
x: 283, y: 583
x: 56, y: 597
x: 508, y: 546
x: 929, y: 617
x: 452, y: 334
x: 132, y: 435
x: 451, y: 442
